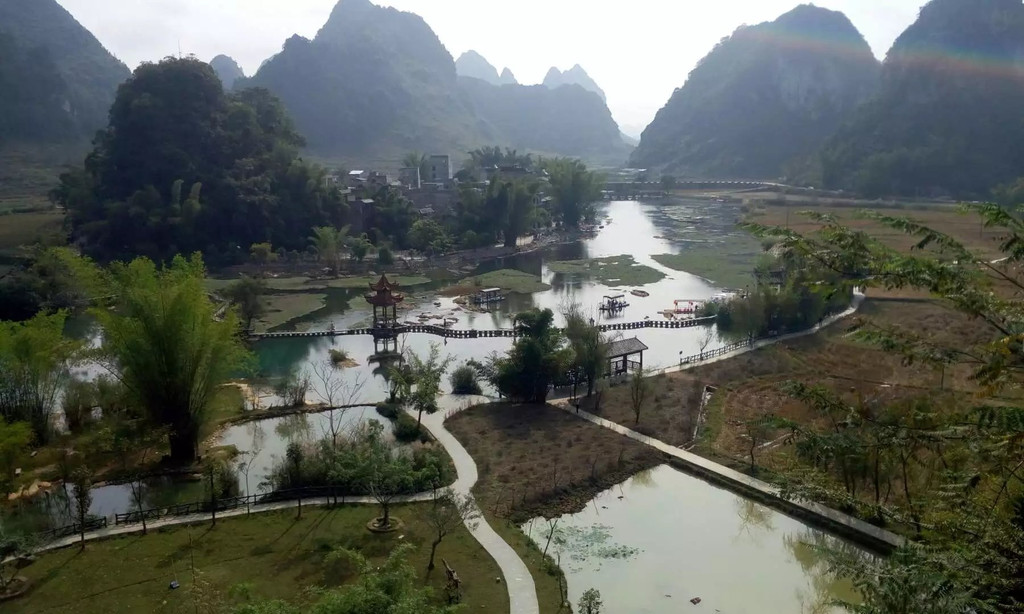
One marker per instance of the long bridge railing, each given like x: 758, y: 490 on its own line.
x: 455, y: 333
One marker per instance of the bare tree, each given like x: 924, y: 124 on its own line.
x: 255, y: 447
x: 336, y: 391
x: 449, y: 510
x: 706, y: 339
x: 81, y: 490
x: 639, y: 387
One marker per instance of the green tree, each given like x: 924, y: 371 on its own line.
x: 535, y: 361
x: 166, y: 346
x: 81, y: 492
x: 574, y: 188
x: 15, y: 438
x: 589, y: 346
x: 262, y: 254
x: 246, y: 295
x: 35, y: 358
x: 429, y: 237
x: 360, y: 248
x: 415, y: 159
x: 385, y: 257
x: 328, y: 242
x: 426, y: 376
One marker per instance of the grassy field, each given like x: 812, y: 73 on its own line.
x: 510, y: 280
x: 306, y: 284
x: 729, y: 266
x: 948, y: 219
x: 18, y: 229
x: 540, y: 461
x: 615, y: 270
x: 279, y: 556
x: 283, y: 308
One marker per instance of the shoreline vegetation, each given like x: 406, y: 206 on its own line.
x: 622, y: 270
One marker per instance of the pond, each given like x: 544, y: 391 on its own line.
x: 662, y: 538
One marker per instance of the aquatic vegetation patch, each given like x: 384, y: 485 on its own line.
x: 510, y: 280
x: 591, y: 544
x: 619, y: 270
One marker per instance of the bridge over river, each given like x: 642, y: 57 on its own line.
x: 455, y: 333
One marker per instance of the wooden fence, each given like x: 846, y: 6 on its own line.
x: 92, y: 523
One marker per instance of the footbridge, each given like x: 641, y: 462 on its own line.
x: 455, y: 333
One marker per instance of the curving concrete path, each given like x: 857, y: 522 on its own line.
x: 522, y: 593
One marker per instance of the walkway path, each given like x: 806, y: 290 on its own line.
x: 858, y: 299
x: 522, y: 592
x: 743, y: 482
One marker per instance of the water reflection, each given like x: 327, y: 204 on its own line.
x: 652, y: 549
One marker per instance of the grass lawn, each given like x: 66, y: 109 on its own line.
x: 614, y: 270
x: 539, y: 460
x: 280, y: 556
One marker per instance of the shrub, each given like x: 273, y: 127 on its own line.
x: 388, y: 410
x: 407, y: 430
x: 464, y: 380
x: 338, y: 356
x: 385, y: 256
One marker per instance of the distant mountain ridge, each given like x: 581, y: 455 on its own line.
x: 575, y: 75
x: 947, y: 118
x: 58, y: 81
x: 767, y: 96
x: 228, y: 70
x: 377, y: 82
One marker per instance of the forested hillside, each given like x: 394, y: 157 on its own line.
x: 378, y: 82
x: 57, y: 80
x: 948, y: 117
x: 768, y: 95
x: 567, y: 119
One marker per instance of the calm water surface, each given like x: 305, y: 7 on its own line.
x: 662, y: 538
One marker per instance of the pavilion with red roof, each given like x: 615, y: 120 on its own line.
x: 385, y: 299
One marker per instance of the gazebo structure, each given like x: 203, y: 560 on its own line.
x: 385, y: 299
x: 619, y: 353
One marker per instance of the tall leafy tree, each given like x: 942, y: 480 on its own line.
x: 536, y: 360
x: 574, y: 188
x: 185, y: 167
x: 35, y: 358
x: 166, y: 346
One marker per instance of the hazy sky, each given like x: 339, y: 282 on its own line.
x: 638, y: 51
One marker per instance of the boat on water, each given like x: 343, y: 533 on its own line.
x: 614, y: 303
x: 640, y: 293
x: 488, y: 296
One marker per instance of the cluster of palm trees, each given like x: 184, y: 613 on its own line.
x: 333, y: 244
